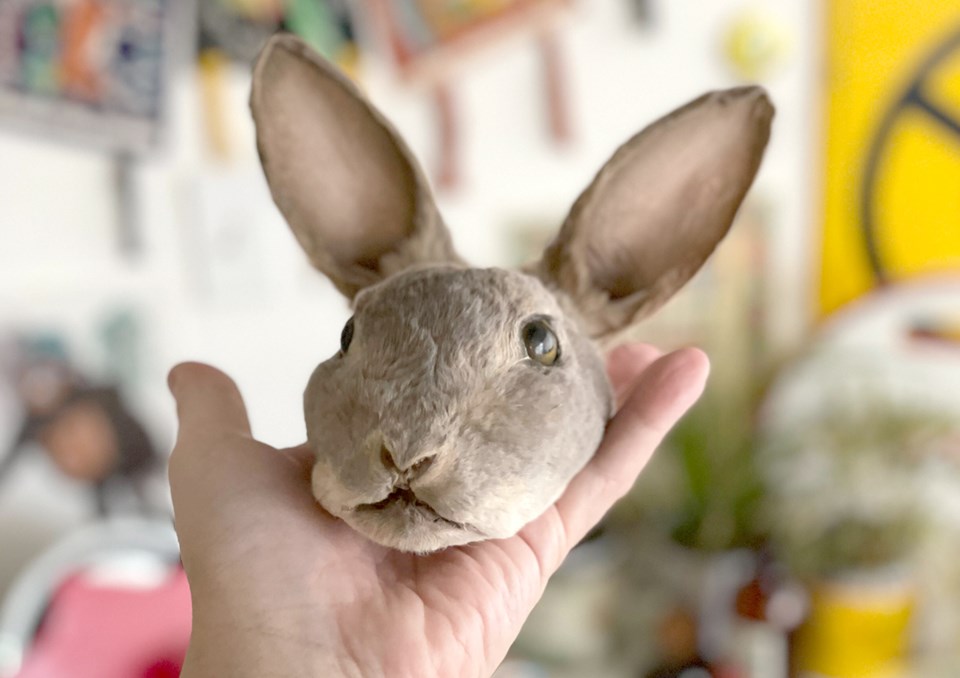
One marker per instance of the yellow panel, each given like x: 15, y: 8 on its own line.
x: 874, y: 54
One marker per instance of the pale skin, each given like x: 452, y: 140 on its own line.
x: 281, y: 588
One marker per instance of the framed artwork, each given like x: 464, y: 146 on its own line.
x: 88, y: 71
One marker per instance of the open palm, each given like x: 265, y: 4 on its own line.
x: 281, y: 588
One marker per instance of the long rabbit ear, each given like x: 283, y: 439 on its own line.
x: 345, y: 181
x: 658, y: 208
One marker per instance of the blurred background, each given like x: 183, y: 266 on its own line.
x: 803, y: 519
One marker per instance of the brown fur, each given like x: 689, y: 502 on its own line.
x: 435, y: 428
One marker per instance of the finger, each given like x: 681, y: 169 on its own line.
x: 626, y: 363
x: 662, y: 394
x: 208, y: 402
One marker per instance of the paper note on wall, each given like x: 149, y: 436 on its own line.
x: 892, y: 159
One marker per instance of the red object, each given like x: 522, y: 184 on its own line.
x: 752, y: 601
x: 98, y: 630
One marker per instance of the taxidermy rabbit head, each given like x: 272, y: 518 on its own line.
x: 463, y: 400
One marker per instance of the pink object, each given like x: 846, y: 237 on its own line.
x: 102, y: 630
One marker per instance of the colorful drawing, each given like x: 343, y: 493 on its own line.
x: 238, y: 28
x: 88, y: 70
x: 893, y: 147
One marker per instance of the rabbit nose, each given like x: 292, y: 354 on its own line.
x: 411, y: 470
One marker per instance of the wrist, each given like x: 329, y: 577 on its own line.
x: 252, y: 647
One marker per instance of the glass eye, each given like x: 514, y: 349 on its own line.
x: 541, y: 343
x: 346, y: 336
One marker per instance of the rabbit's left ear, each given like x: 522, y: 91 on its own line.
x: 657, y: 209
x: 346, y: 182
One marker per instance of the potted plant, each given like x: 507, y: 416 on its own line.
x: 844, y: 507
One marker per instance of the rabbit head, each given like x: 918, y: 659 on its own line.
x: 463, y: 400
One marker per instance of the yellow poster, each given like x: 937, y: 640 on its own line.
x: 892, y: 160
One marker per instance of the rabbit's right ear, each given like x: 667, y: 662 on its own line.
x: 345, y: 181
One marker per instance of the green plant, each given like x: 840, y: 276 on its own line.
x: 702, y: 489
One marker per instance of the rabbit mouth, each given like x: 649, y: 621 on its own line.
x: 403, y: 496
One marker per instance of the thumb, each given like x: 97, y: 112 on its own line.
x: 208, y: 403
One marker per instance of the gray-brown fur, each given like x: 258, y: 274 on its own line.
x: 435, y: 428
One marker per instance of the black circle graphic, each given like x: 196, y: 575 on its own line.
x: 914, y: 97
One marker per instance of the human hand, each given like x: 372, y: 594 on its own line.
x: 281, y: 588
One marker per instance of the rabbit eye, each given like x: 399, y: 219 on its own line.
x: 541, y: 343
x: 346, y: 336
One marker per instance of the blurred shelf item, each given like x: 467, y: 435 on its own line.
x: 755, y: 45
x: 112, y: 557
x: 86, y: 429
x: 859, y: 626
